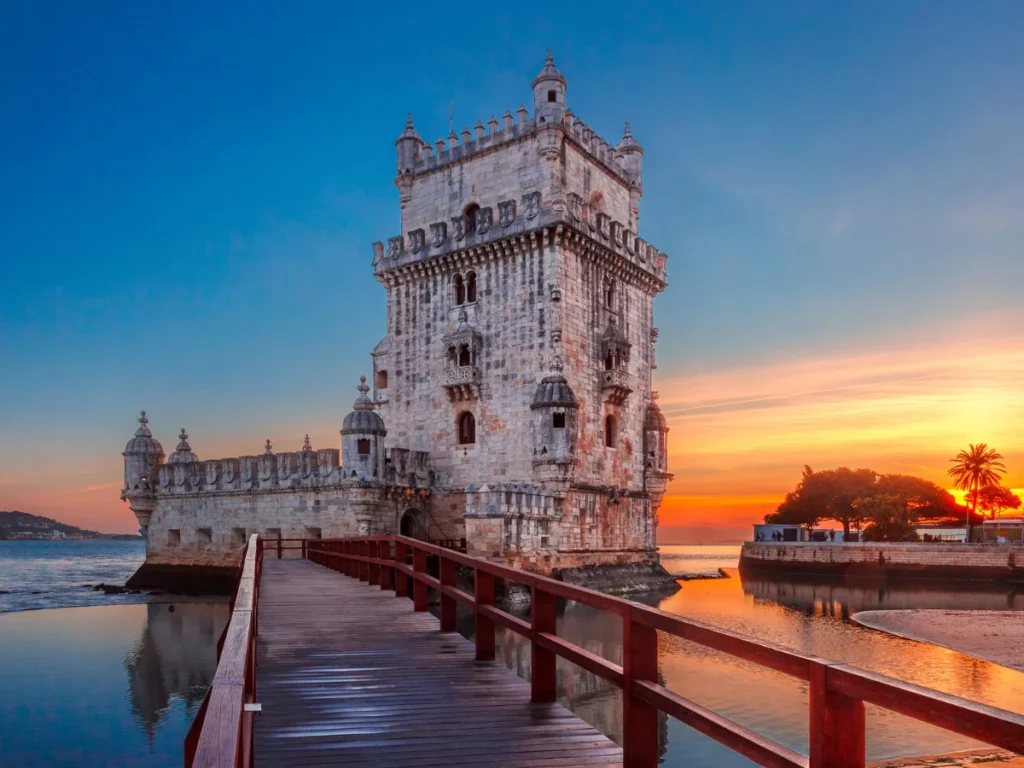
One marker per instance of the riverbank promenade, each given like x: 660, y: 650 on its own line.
x: 321, y: 665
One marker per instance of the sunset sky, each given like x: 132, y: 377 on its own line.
x: 188, y: 195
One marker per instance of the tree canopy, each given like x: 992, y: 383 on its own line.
x: 993, y: 500
x: 888, y: 503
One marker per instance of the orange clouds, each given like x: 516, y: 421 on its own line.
x: 740, y: 436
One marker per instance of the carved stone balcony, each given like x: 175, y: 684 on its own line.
x: 615, y: 386
x: 462, y: 382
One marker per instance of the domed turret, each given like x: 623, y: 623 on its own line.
x: 549, y: 93
x: 183, y: 453
x: 409, y: 146
x: 142, y: 457
x: 362, y: 439
x: 632, y: 156
x: 554, y: 407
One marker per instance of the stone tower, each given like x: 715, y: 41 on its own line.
x: 520, y: 337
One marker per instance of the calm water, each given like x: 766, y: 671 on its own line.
x: 119, y: 684
x: 813, y: 619
x: 52, y: 574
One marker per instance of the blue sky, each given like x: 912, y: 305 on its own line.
x: 188, y: 194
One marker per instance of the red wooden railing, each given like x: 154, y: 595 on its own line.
x: 838, y: 692
x: 221, y: 735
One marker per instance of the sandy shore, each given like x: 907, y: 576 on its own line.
x: 996, y: 636
x: 976, y: 758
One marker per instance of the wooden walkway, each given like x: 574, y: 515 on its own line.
x: 348, y: 674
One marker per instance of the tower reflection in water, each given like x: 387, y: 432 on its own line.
x: 175, y: 658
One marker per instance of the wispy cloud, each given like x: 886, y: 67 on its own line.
x: 740, y: 436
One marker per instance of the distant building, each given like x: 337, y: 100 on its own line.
x: 511, y: 401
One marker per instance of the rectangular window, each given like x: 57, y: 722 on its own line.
x: 313, y: 533
x: 273, y: 533
x: 363, y: 447
x: 558, y: 420
x: 174, y: 536
x: 204, y: 536
x: 382, y: 379
x: 238, y: 536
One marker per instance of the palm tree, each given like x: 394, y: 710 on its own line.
x: 973, y: 469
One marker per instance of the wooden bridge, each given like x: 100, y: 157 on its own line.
x: 320, y: 665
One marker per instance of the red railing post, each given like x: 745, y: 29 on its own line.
x: 363, y: 548
x: 419, y: 589
x: 639, y: 719
x: 836, y: 724
x: 401, y: 580
x: 484, y: 593
x: 387, y: 573
x: 447, y: 603
x: 373, y: 570
x: 278, y: 547
x: 543, y: 679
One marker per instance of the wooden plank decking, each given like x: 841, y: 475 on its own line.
x: 348, y: 674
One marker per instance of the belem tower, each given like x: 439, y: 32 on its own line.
x: 510, y: 401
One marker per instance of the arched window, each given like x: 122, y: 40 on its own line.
x: 459, y: 290
x: 467, y: 428
x: 453, y: 358
x: 609, y: 431
x: 609, y: 362
x: 465, y: 358
x: 471, y: 287
x: 470, y: 214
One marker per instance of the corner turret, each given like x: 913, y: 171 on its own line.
x: 362, y: 440
x: 142, y: 456
x: 555, y: 410
x: 549, y: 93
x: 630, y: 155
x: 656, y: 474
x: 408, y: 147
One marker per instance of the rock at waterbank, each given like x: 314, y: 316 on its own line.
x: 625, y: 579
x: 186, y: 578
x: 115, y: 589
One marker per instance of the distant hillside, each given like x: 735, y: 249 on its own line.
x: 22, y: 525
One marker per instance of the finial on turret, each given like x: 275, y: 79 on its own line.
x: 306, y: 445
x: 269, y: 451
x: 143, y: 430
x: 408, y: 120
x: 550, y: 61
x: 183, y: 436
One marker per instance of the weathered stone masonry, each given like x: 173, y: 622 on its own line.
x: 511, y: 395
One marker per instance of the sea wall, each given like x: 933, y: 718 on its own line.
x: 886, y: 561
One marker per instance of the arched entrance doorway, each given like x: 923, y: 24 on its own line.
x: 412, y: 523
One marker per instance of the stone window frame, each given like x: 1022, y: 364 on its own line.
x: 204, y: 536
x: 464, y: 288
x: 611, y: 431
x: 558, y: 420
x: 363, y: 446
x: 173, y: 537
x: 465, y: 428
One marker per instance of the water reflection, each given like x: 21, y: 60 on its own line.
x: 101, y: 686
x: 811, y: 618
x: 175, y: 658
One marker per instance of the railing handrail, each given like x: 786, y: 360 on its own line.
x: 837, y: 691
x: 225, y: 739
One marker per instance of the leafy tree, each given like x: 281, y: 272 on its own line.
x: 926, y: 499
x: 993, y: 499
x: 830, y: 494
x: 976, y: 468
x: 889, y: 518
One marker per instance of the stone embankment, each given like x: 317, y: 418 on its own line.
x: 975, y: 757
x: 957, y: 562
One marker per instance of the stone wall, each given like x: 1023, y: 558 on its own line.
x: 885, y: 560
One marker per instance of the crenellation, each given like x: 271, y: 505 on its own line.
x: 511, y: 394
